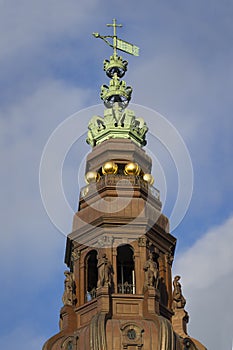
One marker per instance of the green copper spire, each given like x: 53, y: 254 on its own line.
x: 117, y: 43
x: 118, y: 122
x: 115, y: 68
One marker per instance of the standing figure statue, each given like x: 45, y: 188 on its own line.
x: 179, y: 300
x: 68, y: 297
x: 151, y: 272
x: 105, y: 271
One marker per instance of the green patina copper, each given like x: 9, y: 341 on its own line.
x: 117, y: 91
x: 115, y: 68
x: 118, y: 44
x: 115, y: 65
x: 117, y: 122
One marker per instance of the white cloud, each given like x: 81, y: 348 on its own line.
x: 207, y: 277
x: 24, y: 129
x: 32, y: 249
x: 209, y: 259
x: 26, y: 24
x: 196, y: 99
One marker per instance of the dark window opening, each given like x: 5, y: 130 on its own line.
x: 91, y: 275
x: 163, y: 292
x: 125, y: 270
x: 70, y: 346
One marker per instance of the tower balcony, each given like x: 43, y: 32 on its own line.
x: 121, y: 183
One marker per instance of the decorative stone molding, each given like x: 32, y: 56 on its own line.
x: 132, y: 335
x: 169, y: 258
x: 143, y: 241
x: 180, y: 320
x: 75, y: 254
x: 105, y: 241
x: 68, y: 343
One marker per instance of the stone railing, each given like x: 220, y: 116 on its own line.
x: 123, y: 182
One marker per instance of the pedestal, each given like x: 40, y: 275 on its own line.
x: 179, y: 322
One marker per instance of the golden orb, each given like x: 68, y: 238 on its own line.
x: 92, y: 176
x: 85, y: 191
x: 148, y: 178
x: 109, y: 168
x: 132, y: 169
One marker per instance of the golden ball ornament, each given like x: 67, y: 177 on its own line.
x: 149, y: 178
x: 109, y: 168
x: 92, y: 176
x: 85, y: 191
x: 132, y: 169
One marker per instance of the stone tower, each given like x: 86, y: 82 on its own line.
x: 118, y: 287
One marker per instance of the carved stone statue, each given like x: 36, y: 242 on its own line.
x: 179, y: 300
x: 68, y: 297
x: 105, y: 271
x: 151, y: 272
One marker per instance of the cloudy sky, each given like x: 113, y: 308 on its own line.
x: 51, y: 67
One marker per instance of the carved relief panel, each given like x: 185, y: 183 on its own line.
x: 132, y: 336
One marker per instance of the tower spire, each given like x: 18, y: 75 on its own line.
x: 118, y: 122
x: 115, y: 68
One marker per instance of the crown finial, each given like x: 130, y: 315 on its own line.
x: 118, y: 122
x: 115, y: 68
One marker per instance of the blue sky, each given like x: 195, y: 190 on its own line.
x: 51, y: 67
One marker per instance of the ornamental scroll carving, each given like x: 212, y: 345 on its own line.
x: 143, y: 241
x: 105, y: 241
x: 76, y: 255
x: 169, y: 258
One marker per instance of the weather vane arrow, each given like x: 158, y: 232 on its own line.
x: 118, y: 44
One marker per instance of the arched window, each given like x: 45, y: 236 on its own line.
x: 91, y: 277
x: 68, y: 343
x: 70, y: 346
x: 125, y: 270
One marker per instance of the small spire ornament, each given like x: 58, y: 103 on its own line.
x: 115, y: 68
x: 118, y: 121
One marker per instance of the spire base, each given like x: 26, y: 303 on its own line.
x: 117, y: 123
